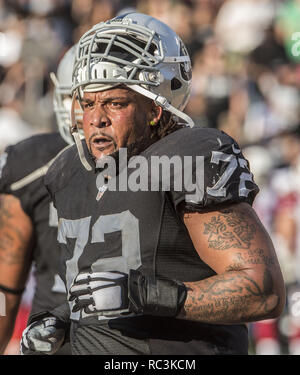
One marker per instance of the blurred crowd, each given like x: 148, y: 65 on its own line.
x: 246, y: 82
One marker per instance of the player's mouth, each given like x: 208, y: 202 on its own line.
x: 101, y: 143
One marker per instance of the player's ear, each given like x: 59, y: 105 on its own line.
x: 156, y: 113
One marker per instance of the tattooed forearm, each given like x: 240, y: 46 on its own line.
x: 5, y: 208
x: 15, y: 231
x: 230, y: 298
x: 229, y: 229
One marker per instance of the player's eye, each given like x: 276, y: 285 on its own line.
x: 88, y: 105
x: 118, y: 105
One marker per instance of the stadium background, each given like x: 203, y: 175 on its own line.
x: 246, y: 81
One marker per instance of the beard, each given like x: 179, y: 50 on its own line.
x: 133, y: 149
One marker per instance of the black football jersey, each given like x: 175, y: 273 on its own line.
x: 115, y: 228
x: 22, y: 169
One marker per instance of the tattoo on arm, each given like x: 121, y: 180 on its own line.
x: 9, y: 252
x: 250, y: 258
x: 14, y: 239
x: 229, y: 229
x: 248, y: 285
x: 246, y: 289
x: 231, y: 298
x: 4, y: 212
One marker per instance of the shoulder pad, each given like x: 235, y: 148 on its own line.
x: 207, y: 168
x: 192, y: 141
x: 24, y: 158
x: 62, y: 169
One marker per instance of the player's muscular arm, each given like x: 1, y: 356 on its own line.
x: 248, y: 285
x: 15, y: 259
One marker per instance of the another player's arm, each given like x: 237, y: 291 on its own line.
x: 249, y: 284
x: 15, y: 259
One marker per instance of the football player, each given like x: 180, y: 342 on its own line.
x: 28, y: 219
x: 153, y: 267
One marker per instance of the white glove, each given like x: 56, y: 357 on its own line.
x: 43, y: 337
x: 104, y: 293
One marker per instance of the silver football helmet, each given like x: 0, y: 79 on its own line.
x: 139, y: 51
x: 62, y: 99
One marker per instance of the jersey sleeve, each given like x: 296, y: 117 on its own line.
x: 61, y: 312
x: 60, y: 172
x: 5, y: 176
x: 11, y: 171
x: 214, y: 172
x: 22, y: 165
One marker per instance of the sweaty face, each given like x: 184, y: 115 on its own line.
x: 116, y: 118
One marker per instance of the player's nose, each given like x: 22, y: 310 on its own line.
x: 99, y: 118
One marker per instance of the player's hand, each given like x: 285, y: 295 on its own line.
x: 101, y: 292
x: 43, y: 337
x: 114, y: 293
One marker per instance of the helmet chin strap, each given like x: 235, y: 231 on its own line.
x: 80, y: 150
x: 162, y: 102
x: 76, y: 136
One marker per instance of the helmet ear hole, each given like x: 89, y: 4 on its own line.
x: 185, y: 68
x: 186, y: 71
x: 175, y: 84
